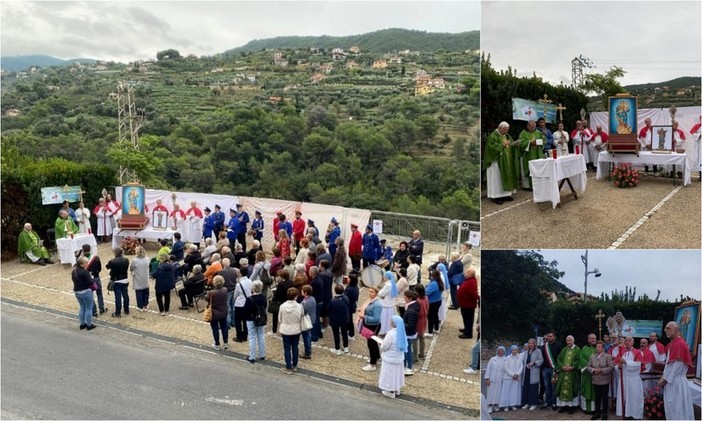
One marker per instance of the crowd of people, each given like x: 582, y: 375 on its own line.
x: 567, y: 377
x: 305, y: 288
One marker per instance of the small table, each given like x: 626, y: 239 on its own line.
x: 605, y: 160
x: 548, y: 176
x: 67, y: 247
x: 148, y: 233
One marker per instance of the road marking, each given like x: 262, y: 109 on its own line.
x: 37, y: 286
x: 638, y: 224
x: 226, y: 401
x: 506, y: 209
x: 427, y: 357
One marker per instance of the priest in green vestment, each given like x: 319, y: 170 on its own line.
x: 531, y: 146
x: 587, y: 389
x: 499, y: 164
x: 64, y: 225
x: 568, y: 385
x: 29, y: 246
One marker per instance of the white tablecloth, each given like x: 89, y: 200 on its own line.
x: 644, y: 158
x: 148, y: 233
x: 67, y: 247
x: 546, y: 174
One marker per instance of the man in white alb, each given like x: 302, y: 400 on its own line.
x: 677, y: 397
x: 630, y: 402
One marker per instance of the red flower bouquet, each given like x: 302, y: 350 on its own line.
x: 654, y: 409
x: 624, y: 175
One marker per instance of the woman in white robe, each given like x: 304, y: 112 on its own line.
x: 511, y: 393
x: 393, y: 348
x: 493, y: 379
x: 388, y: 294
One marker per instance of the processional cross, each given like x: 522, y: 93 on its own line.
x: 600, y: 315
x: 560, y: 109
x: 544, y: 101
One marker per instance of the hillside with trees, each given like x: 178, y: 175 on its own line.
x: 382, y: 41
x: 386, y: 131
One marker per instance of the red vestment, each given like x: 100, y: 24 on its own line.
x: 299, y: 225
x: 679, y: 351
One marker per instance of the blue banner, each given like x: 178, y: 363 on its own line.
x: 56, y: 195
x: 525, y: 110
x: 641, y: 328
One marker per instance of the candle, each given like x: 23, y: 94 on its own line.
x: 554, y: 153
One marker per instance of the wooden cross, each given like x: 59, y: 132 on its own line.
x: 600, y: 315
x: 560, y: 109
x: 80, y: 194
x: 544, y: 101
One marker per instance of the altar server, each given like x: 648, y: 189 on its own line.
x: 677, y: 397
x: 630, y: 401
x: 194, y: 221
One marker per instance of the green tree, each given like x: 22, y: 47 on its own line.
x: 142, y: 161
x: 169, y: 54
x: 427, y: 127
x: 604, y: 85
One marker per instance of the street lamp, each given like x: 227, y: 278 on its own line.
x: 596, y: 272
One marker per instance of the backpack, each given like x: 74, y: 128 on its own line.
x: 265, y: 278
x: 260, y: 318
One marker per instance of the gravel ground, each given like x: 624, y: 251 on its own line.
x: 597, y: 219
x: 51, y: 287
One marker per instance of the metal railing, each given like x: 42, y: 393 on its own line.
x: 440, y: 231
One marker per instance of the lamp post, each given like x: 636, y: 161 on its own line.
x: 596, y: 272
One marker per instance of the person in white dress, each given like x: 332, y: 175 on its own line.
x: 677, y: 397
x: 511, y: 393
x: 83, y: 218
x: 393, y: 348
x: 442, y: 267
x: 580, y: 135
x: 104, y: 220
x: 194, y: 218
x: 177, y: 220
x: 388, y: 294
x: 560, y: 140
x: 630, y: 402
x: 493, y: 379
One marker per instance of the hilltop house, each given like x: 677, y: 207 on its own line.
x: 351, y: 64
x: 326, y: 68
x: 438, y: 82
x: 338, y: 54
x: 354, y: 49
x: 317, y: 77
x: 380, y: 64
x: 423, y: 89
x: 13, y: 112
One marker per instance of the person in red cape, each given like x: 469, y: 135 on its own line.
x: 645, y: 138
x: 656, y: 348
x: 355, y: 247
x: 630, y: 399
x: 677, y: 398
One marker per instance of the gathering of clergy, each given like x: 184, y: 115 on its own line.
x: 506, y: 161
x: 601, y: 377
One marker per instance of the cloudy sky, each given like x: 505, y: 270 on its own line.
x: 125, y: 31
x: 651, y: 41
x: 674, y: 272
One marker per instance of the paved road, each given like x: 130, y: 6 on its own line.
x: 50, y: 369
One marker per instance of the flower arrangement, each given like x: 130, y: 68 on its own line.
x: 129, y: 245
x: 625, y: 175
x: 653, y: 404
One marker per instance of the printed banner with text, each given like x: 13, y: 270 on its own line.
x: 525, y: 110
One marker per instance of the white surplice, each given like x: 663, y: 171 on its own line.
x: 633, y: 388
x: 677, y: 397
x: 83, y: 216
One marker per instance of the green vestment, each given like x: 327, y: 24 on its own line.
x: 495, y: 150
x: 64, y: 227
x: 586, y: 387
x: 568, y: 381
x: 534, y: 152
x: 29, y: 241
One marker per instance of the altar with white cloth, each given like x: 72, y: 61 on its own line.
x: 548, y: 176
x: 67, y: 247
x: 148, y: 233
x: 645, y: 158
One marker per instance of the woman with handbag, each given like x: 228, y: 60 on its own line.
x: 256, y: 320
x: 290, y: 317
x: 217, y: 303
x: 83, y: 289
x: 309, y: 304
x: 369, y: 322
x: 280, y: 290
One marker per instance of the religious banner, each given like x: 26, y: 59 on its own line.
x: 622, y: 114
x: 525, y: 110
x: 56, y: 195
x: 474, y: 238
x: 377, y: 226
x: 641, y: 328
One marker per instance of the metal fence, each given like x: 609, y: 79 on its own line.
x: 440, y: 231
